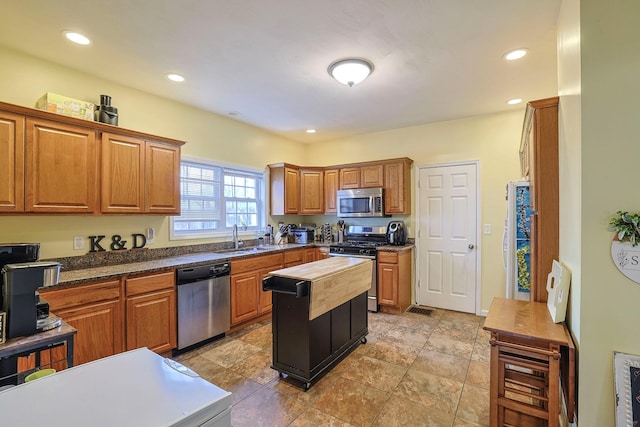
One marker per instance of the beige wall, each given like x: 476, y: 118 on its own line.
x: 23, y: 79
x: 609, y: 152
x: 493, y: 140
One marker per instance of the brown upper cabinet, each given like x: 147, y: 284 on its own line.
x: 372, y: 176
x: 50, y: 163
x: 331, y: 185
x: 300, y: 190
x: 139, y: 176
x: 397, y: 186
x: 285, y: 189
x: 11, y: 162
x: 61, y: 164
x: 349, y: 178
x: 311, y: 192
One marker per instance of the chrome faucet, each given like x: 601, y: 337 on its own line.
x: 236, y: 242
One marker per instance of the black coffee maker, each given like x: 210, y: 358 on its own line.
x: 396, y: 233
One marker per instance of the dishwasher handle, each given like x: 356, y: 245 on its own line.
x: 201, y: 272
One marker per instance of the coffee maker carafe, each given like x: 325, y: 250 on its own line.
x: 26, y: 313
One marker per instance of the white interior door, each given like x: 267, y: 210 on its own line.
x: 447, y: 267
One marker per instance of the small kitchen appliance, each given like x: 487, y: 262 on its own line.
x: 303, y: 234
x: 105, y: 113
x: 396, y: 233
x: 27, y: 313
x: 361, y: 242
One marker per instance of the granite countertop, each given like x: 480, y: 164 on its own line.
x: 96, y: 268
x: 105, y: 272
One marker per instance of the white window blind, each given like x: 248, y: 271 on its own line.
x: 214, y: 198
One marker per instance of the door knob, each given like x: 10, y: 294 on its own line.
x: 471, y: 246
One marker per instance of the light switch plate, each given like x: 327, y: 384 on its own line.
x: 487, y: 229
x: 151, y: 235
x: 78, y: 243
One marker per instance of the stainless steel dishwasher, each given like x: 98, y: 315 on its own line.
x: 203, y: 303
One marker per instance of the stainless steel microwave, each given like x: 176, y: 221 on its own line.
x: 360, y: 203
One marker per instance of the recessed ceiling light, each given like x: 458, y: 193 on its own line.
x: 515, y: 54
x: 76, y: 37
x: 514, y: 101
x: 175, y: 77
x: 311, y: 131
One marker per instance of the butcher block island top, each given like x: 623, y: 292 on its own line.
x: 333, y: 281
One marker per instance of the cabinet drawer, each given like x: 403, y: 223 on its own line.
x: 294, y: 256
x: 255, y: 263
x: 150, y: 283
x: 81, y: 295
x: 388, y: 257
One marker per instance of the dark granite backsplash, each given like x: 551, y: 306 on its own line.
x: 95, y: 259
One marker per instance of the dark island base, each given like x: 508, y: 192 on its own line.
x: 305, y: 349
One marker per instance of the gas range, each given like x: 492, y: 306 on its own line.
x: 361, y: 241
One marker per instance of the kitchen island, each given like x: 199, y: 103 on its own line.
x: 319, y: 314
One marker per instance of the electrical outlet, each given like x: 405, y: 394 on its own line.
x: 78, y: 243
x: 151, y: 235
x: 487, y: 229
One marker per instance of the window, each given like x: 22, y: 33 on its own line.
x: 214, y: 198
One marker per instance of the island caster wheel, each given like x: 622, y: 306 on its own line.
x: 306, y: 386
x: 363, y: 340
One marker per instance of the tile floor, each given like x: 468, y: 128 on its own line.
x: 415, y: 370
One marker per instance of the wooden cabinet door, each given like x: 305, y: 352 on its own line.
x: 311, y: 192
x: 322, y: 253
x: 11, y: 162
x: 244, y: 296
x: 387, y: 283
x: 99, y: 328
x: 294, y: 257
x: 396, y: 183
x: 372, y: 176
x: 309, y: 255
x: 61, y: 168
x: 162, y: 179
x: 291, y: 191
x: 265, y: 301
x: 123, y: 160
x: 331, y: 185
x: 349, y: 178
x: 151, y: 321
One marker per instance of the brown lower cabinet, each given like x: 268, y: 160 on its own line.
x: 151, y: 312
x: 95, y: 311
x: 117, y: 315
x: 394, y: 281
x: 248, y: 300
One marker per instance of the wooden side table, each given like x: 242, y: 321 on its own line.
x: 529, y: 355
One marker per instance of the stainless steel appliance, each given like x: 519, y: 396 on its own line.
x: 396, y: 233
x: 360, y: 203
x: 303, y: 235
x: 203, y: 303
x: 361, y: 242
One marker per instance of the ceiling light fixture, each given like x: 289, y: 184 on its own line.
x: 311, y: 131
x: 515, y: 54
x: 514, y: 101
x: 175, y: 77
x: 350, y: 71
x: 76, y: 38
